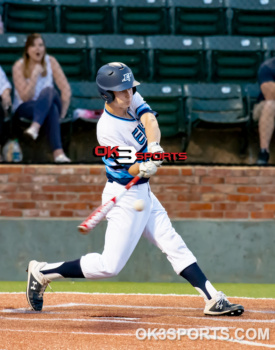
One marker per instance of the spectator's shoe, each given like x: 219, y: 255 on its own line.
x: 220, y: 306
x: 37, y: 284
x: 263, y: 157
x: 31, y: 132
x: 62, y: 159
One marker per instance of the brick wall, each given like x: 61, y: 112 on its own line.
x: 188, y: 192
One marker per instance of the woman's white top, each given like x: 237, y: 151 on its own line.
x: 4, y: 83
x: 41, y: 83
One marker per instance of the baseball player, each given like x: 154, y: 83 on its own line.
x: 129, y: 121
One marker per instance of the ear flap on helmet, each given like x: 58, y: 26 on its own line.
x: 108, y: 96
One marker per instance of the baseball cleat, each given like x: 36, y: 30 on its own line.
x: 220, y: 306
x: 37, y: 284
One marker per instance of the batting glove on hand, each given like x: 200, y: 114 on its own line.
x: 154, y: 147
x: 147, y: 168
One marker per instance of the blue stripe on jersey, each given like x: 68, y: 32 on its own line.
x: 109, y: 161
x: 119, y: 172
x: 144, y: 148
x: 125, y: 181
x: 115, y: 116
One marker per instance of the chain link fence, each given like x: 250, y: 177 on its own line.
x: 169, y: 45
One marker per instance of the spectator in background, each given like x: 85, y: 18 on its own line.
x: 264, y: 110
x: 5, y: 104
x: 35, y: 97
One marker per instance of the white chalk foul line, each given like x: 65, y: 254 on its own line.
x: 62, y: 332
x: 68, y: 305
x: 235, y: 320
x: 141, y: 294
x: 242, y: 342
x: 109, y: 320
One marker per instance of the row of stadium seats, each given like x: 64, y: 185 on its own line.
x: 180, y: 107
x: 141, y: 17
x: 153, y: 58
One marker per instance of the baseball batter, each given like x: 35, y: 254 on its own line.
x: 129, y: 121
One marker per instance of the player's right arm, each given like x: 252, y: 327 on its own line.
x: 152, y: 132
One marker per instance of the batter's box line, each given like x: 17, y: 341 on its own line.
x: 141, y: 294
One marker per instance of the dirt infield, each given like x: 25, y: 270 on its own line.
x: 78, y: 321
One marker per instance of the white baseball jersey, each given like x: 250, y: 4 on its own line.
x: 125, y: 225
x: 116, y: 131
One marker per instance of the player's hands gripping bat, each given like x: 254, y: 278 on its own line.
x: 98, y: 214
x: 155, y: 147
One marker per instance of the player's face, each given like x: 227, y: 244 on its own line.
x: 123, y: 98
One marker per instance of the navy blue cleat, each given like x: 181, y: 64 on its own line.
x: 37, y: 284
x: 220, y: 306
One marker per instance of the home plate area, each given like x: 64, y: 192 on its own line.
x: 132, y: 321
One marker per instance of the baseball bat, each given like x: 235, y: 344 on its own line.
x: 99, y: 213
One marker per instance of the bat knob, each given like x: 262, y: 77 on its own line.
x: 82, y: 229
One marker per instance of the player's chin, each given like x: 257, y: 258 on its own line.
x: 127, y: 104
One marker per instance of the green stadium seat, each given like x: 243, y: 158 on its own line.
x: 269, y: 47
x: 233, y: 59
x: 142, y: 17
x: 29, y: 16
x: 11, y: 49
x: 198, y: 17
x: 176, y: 58
x: 71, y: 52
x: 166, y: 99
x: 216, y: 105
x: 252, y: 17
x: 128, y: 49
x: 85, y: 95
x: 85, y: 16
x: 250, y: 93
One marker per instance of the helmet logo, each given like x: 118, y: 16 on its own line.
x: 127, y: 76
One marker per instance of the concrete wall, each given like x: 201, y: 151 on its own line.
x: 227, y: 251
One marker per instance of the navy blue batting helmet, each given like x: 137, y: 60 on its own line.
x: 115, y: 76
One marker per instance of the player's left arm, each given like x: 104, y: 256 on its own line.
x: 151, y: 126
x: 148, y: 117
x: 153, y: 134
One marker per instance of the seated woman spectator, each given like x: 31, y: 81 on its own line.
x: 35, y: 97
x: 5, y: 104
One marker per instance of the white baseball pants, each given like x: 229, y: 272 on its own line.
x: 124, y: 229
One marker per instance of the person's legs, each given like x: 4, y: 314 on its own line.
x: 41, y: 110
x: 125, y: 227
x: 2, y: 117
x: 266, y: 129
x: 160, y: 232
x: 52, y: 127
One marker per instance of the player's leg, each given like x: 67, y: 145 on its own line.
x: 124, y: 229
x: 160, y: 232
